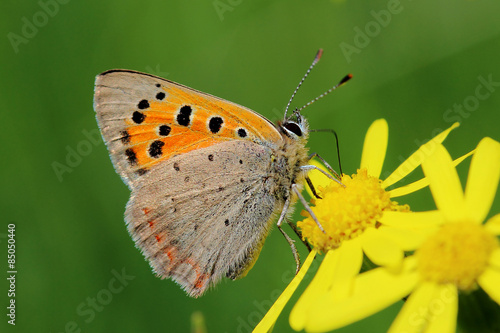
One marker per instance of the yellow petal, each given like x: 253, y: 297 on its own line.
x: 318, y: 286
x: 462, y: 158
x: 272, y: 315
x: 414, y: 314
x: 406, y: 239
x: 417, y: 157
x: 493, y: 225
x: 413, y: 220
x: 489, y: 282
x: 347, y: 266
x: 482, y: 183
x: 494, y: 261
x: 382, y: 251
x: 445, y: 184
x: 419, y: 184
x: 410, y: 188
x: 333, y: 281
x: 373, y: 291
x: 443, y: 311
x: 375, y: 147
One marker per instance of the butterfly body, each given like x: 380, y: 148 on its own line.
x: 208, y: 177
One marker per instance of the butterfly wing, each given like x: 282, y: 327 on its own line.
x: 198, y: 167
x: 145, y: 119
x: 204, y: 215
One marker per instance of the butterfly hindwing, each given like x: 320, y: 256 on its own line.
x: 146, y: 120
x: 203, y: 215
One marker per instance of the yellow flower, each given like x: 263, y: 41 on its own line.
x: 353, y: 220
x: 346, y: 212
x: 458, y: 256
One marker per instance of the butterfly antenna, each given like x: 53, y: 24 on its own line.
x: 315, y: 61
x: 342, y: 82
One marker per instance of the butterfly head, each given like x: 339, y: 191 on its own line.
x: 295, y: 126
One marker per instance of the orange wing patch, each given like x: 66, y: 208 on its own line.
x: 179, y: 120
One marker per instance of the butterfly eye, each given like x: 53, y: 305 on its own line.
x: 293, y: 127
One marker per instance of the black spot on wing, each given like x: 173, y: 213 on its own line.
x: 184, y: 115
x: 215, y: 124
x: 155, y: 149
x: 242, y: 133
x: 132, y: 158
x: 165, y: 130
x: 160, y: 96
x: 125, y: 137
x: 138, y: 117
x: 144, y: 104
x: 141, y: 172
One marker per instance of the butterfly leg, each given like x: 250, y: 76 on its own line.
x: 313, y: 167
x: 299, y: 234
x: 313, y: 189
x: 290, y: 241
x: 313, y: 155
x: 306, y: 206
x: 295, y: 253
x: 283, y: 212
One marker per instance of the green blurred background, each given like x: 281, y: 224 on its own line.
x: 414, y: 63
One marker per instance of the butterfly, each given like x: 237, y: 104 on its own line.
x: 207, y: 176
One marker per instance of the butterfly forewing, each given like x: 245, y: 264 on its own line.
x: 146, y: 119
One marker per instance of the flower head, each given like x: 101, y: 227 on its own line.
x: 347, y: 211
x: 352, y: 216
x: 459, y: 254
